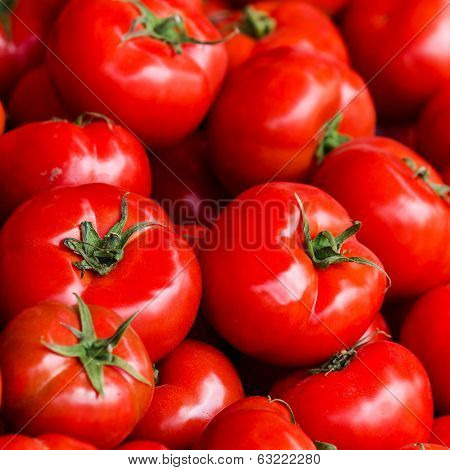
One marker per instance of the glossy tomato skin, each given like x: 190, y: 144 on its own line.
x: 263, y: 293
x: 254, y: 423
x: 297, y: 24
x: 60, y: 153
x: 274, y: 106
x: 42, y: 442
x: 196, y: 381
x: 403, y: 220
x: 22, y: 49
x: 377, y: 33
x: 143, y: 83
x: 35, y: 87
x: 2, y: 118
x: 385, y: 378
x: 433, y: 138
x: 426, y: 331
x: 141, y: 445
x: 158, y: 275
x: 441, y: 431
x: 46, y: 392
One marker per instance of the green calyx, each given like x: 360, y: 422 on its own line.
x: 331, y: 140
x: 325, y: 249
x: 422, y: 172
x: 95, y: 353
x: 286, y: 405
x: 170, y: 30
x: 89, y: 117
x: 324, y: 445
x: 256, y: 24
x: 6, y: 7
x: 102, y: 254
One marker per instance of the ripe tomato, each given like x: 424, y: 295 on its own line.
x: 266, y: 25
x: 330, y: 6
x: 61, y: 153
x: 35, y: 87
x: 270, y: 285
x: 376, y: 396
x: 254, y: 423
x: 394, y: 193
x: 195, y: 382
x: 273, y: 106
x: 441, y: 431
x: 433, y: 138
x: 162, y: 91
x: 156, y: 273
x: 422, y: 446
x: 408, y: 41
x: 141, y: 445
x: 79, y: 372
x: 22, y: 35
x: 2, y: 118
x: 42, y: 442
x: 426, y: 331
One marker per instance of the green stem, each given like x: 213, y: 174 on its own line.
x: 6, y: 6
x: 331, y: 139
x: 256, y: 23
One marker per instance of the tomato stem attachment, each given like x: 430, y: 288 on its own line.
x: 331, y: 139
x: 95, y: 353
x: 324, y: 445
x: 6, y: 7
x: 256, y: 23
x: 286, y: 405
x: 89, y: 117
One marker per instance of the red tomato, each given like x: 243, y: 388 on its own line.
x: 446, y: 175
x: 35, y: 87
x: 405, y: 42
x: 2, y: 118
x: 184, y: 185
x: 158, y: 275
x: 376, y: 396
x: 433, y: 138
x: 269, y: 24
x: 394, y: 193
x: 426, y: 331
x: 195, y: 382
x: 141, y: 445
x: 22, y: 35
x: 42, y: 442
x: 214, y: 7
x: 254, y: 423
x: 271, y: 291
x: 377, y: 331
x: 330, y: 6
x: 162, y: 91
x: 405, y: 133
x: 421, y: 446
x: 60, y: 153
x: 270, y: 110
x: 93, y: 383
x: 441, y: 431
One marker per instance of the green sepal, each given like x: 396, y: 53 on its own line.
x: 6, y: 7
x: 256, y: 23
x: 324, y: 445
x: 331, y: 139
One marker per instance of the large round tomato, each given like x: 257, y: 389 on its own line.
x: 269, y: 24
x: 377, y: 396
x: 273, y: 274
x: 60, y: 153
x: 42, y: 442
x: 433, y: 138
x: 441, y: 431
x: 143, y: 65
x: 402, y: 205
x: 402, y: 47
x: 195, y: 382
x: 148, y: 269
x: 426, y: 331
x: 34, y: 99
x: 76, y: 371
x: 266, y: 121
x: 254, y: 423
x: 22, y: 36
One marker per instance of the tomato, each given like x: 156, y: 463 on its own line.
x: 184, y: 185
x: 426, y: 331
x: 161, y: 91
x: 35, y: 87
x: 405, y: 133
x: 376, y: 396
x: 22, y: 36
x: 195, y: 382
x: 254, y: 423
x: 42, y: 442
x: 403, y: 207
x: 441, y: 431
x: 330, y: 6
x: 446, y: 175
x: 270, y: 289
x: 61, y: 153
x: 433, y: 138
x: 402, y: 47
x: 378, y: 330
x: 80, y: 372
x: 269, y: 24
x: 2, y: 118
x: 271, y: 109
x: 141, y: 445
x: 153, y: 271
x: 422, y: 446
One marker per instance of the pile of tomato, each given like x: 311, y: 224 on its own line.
x: 224, y: 224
